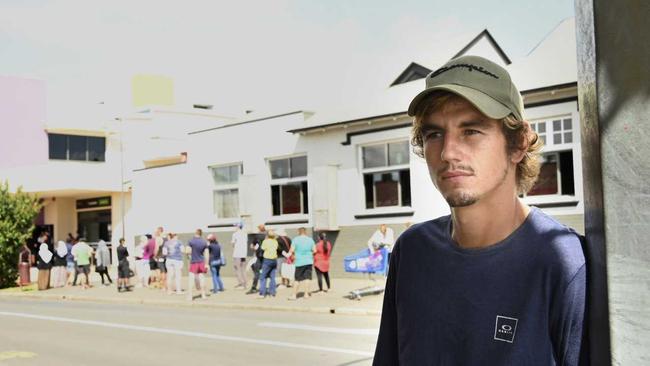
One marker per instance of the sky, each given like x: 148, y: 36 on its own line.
x: 244, y: 55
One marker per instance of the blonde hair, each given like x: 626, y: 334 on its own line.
x: 518, y: 134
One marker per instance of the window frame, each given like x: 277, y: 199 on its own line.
x: 289, y: 180
x: 86, y: 152
x: 396, y: 168
x: 557, y: 149
x: 225, y: 187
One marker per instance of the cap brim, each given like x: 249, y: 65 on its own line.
x: 484, y: 103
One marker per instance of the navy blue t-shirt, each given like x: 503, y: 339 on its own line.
x: 518, y: 302
x: 198, y: 246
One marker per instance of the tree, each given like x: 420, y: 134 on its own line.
x: 17, y: 213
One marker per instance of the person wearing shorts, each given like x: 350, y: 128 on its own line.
x: 122, y: 268
x: 197, y: 247
x: 82, y: 252
x: 303, y: 247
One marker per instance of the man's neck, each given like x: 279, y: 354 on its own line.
x: 483, y: 224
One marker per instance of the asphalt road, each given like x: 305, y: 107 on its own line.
x: 34, y: 332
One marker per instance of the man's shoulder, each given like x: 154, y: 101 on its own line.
x: 431, y: 229
x: 561, y: 244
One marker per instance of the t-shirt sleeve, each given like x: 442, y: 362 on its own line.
x: 386, y: 351
x: 567, y: 328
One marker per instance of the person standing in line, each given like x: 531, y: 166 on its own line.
x: 197, y: 247
x: 161, y: 265
x: 82, y: 253
x: 44, y: 264
x: 239, y: 255
x: 269, y: 265
x: 122, y: 267
x: 70, y: 264
x: 256, y: 245
x: 496, y: 282
x: 216, y: 261
x: 103, y: 261
x: 174, y: 253
x: 24, y: 266
x: 58, y: 273
x: 158, y: 270
x: 303, y: 247
x: 141, y: 264
x: 148, y: 255
x: 284, y: 243
x: 322, y: 261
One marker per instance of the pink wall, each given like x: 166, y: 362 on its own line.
x: 23, y: 140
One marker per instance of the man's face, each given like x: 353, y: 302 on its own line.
x: 466, y: 154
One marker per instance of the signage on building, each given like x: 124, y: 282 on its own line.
x: 94, y: 202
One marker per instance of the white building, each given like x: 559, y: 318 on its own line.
x: 349, y: 168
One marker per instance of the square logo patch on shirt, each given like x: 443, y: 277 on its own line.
x: 505, y: 329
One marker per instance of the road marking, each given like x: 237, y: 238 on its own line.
x: 8, y: 355
x: 187, y: 333
x: 319, y: 329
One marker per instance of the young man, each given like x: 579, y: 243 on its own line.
x: 497, y: 282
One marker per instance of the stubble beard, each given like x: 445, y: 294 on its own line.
x: 465, y: 198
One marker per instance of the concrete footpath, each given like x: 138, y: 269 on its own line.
x: 334, y: 301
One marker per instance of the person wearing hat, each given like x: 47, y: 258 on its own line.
x: 496, y: 282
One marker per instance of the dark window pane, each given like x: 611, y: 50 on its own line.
x: 279, y: 168
x: 547, y: 181
x: 299, y: 166
x: 58, y: 146
x: 557, y: 125
x: 96, y: 148
x: 567, y: 123
x: 275, y: 200
x: 77, y: 147
x: 398, y: 153
x: 305, y: 198
x: 405, y: 187
x: 566, y: 171
x: 374, y: 156
x: 291, y: 198
x: 386, y: 189
x: 557, y: 138
x: 368, y: 186
x: 541, y: 127
x: 568, y: 137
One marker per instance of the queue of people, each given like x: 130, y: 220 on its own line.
x: 159, y: 260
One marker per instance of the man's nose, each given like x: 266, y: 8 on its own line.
x: 451, y: 148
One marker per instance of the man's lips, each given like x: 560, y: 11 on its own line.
x: 454, y: 174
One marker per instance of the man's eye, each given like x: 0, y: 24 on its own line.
x: 472, y: 132
x: 432, y: 135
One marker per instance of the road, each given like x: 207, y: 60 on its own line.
x: 37, y: 332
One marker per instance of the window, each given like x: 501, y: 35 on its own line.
x: 555, y: 131
x: 555, y: 175
x: 386, y: 174
x: 289, y: 186
x: 225, y: 195
x: 79, y: 148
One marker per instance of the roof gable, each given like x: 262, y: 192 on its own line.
x: 482, y: 44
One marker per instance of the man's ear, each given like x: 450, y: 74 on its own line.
x: 518, y: 155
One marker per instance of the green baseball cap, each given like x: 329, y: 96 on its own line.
x: 482, y: 82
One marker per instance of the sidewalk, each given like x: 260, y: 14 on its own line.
x: 333, y: 301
